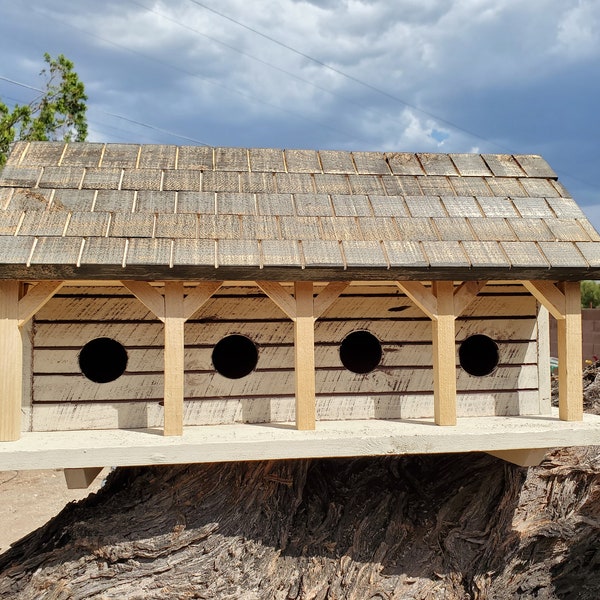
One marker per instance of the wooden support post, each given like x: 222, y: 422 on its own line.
x: 570, y: 385
x: 304, y: 309
x: 442, y: 305
x: 304, y: 348
x: 173, y: 309
x: 11, y: 362
x: 444, y: 355
x: 564, y: 304
x: 174, y: 352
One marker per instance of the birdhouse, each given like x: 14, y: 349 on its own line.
x: 166, y: 304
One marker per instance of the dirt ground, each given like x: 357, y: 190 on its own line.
x: 29, y: 499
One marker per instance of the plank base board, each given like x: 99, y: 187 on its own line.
x: 223, y: 443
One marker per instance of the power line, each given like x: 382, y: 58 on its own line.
x: 201, y: 78
x: 252, y: 57
x: 23, y: 85
x: 352, y: 78
x: 114, y: 115
x: 154, y: 128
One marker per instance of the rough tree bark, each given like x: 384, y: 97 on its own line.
x: 422, y: 527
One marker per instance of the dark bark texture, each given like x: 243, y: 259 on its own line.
x: 463, y: 526
x: 446, y: 526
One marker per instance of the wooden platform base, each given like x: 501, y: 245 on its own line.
x: 223, y: 443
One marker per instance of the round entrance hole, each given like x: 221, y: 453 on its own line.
x: 478, y: 355
x: 103, y: 360
x: 360, y: 352
x: 235, y: 356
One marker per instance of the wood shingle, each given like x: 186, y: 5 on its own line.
x: 110, y: 209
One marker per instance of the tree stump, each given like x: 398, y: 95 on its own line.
x: 423, y: 527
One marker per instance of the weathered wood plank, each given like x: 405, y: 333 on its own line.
x: 543, y: 361
x: 57, y: 417
x: 27, y: 394
x: 60, y: 360
x: 348, y: 305
x: 75, y: 335
x: 57, y: 388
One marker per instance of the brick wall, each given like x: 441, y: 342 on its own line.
x: 591, y: 334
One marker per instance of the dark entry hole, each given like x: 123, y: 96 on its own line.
x: 103, y: 360
x: 235, y: 356
x: 360, y: 352
x: 478, y: 355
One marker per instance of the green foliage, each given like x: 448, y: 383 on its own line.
x: 590, y: 294
x: 58, y: 114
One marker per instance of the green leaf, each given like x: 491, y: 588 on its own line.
x: 59, y: 113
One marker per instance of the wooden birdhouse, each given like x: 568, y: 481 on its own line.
x: 259, y: 303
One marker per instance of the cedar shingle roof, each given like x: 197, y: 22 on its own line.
x: 89, y: 210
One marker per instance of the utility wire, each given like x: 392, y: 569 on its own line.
x: 114, y: 115
x: 200, y: 77
x: 352, y: 78
x: 255, y: 58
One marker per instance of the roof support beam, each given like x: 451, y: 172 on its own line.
x: 304, y: 309
x: 35, y: 298
x: 173, y: 309
x: 442, y: 303
x: 149, y: 296
x: 563, y: 301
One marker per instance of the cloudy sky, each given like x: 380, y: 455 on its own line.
x: 507, y: 76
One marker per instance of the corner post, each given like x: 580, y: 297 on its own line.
x: 174, y: 357
x: 304, y: 352
x: 444, y: 354
x: 11, y: 362
x: 570, y: 385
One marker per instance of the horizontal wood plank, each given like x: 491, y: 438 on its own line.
x: 65, y: 361
x: 54, y: 388
x: 120, y: 307
x: 75, y: 335
x: 134, y: 415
